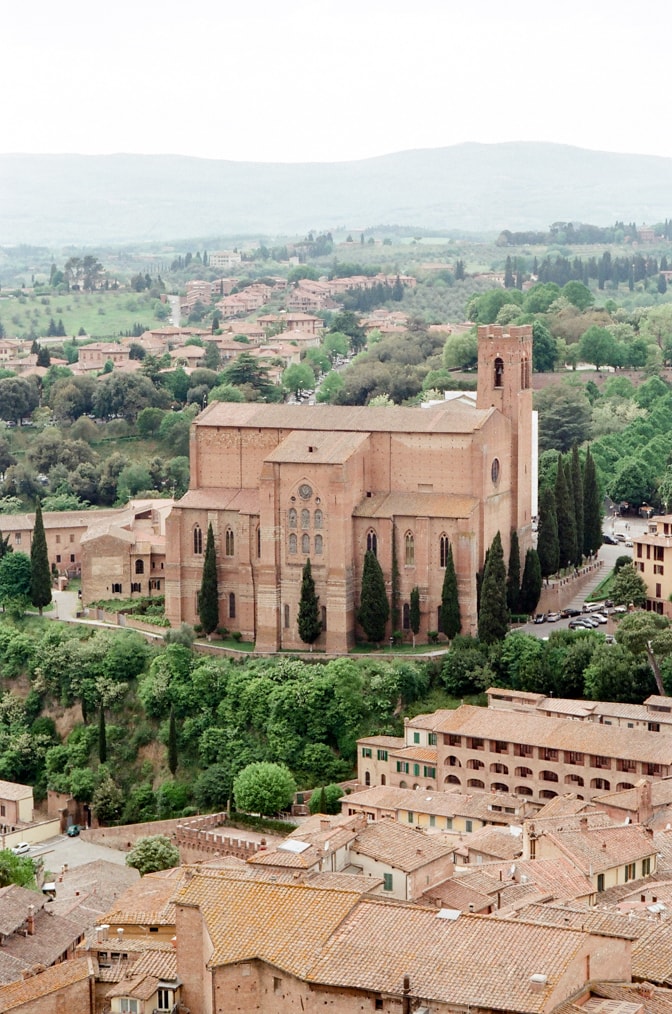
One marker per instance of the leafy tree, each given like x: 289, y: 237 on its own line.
x: 597, y: 346
x: 327, y: 800
x: 466, y: 669
x: 415, y: 612
x: 530, y: 588
x: 493, y: 616
x: 566, y: 518
x: 578, y: 294
x: 612, y: 676
x: 577, y: 494
x: 298, y: 377
x: 40, y: 571
x: 544, y: 348
x: 154, y: 853
x: 648, y: 634
x: 330, y: 387
x: 102, y: 736
x: 172, y: 743
x: 592, y: 508
x: 225, y: 392
x: 107, y: 800
x: 564, y: 417
x: 208, y: 598
x: 15, y: 578
x: 18, y: 398
x: 628, y: 587
x: 264, y: 788
x: 309, y: 620
x: 548, y: 545
x: 212, y: 789
x: 374, y: 609
x: 16, y: 870
x: 634, y: 482
x: 513, y: 575
x: 451, y: 621
x: 125, y: 395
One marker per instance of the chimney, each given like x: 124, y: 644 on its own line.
x: 538, y: 982
x: 30, y: 921
x: 325, y: 824
x: 583, y: 823
x: 643, y: 790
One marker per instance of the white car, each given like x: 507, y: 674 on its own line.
x: 600, y: 617
x: 21, y: 849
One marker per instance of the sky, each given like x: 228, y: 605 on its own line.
x: 332, y: 80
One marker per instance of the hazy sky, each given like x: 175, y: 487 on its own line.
x: 323, y: 80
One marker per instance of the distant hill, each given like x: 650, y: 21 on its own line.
x: 115, y: 199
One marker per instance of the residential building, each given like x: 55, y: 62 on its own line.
x: 281, y: 484
x: 224, y: 259
x: 654, y: 715
x: 65, y: 987
x: 652, y: 557
x: 16, y: 804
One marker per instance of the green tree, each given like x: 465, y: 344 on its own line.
x: 16, y: 870
x: 564, y: 417
x: 374, y: 608
x: 628, y: 587
x: 18, y: 398
x: 592, y: 508
x: 544, y: 348
x: 577, y: 493
x: 208, y: 597
x: 415, y: 612
x: 15, y: 578
x: 107, y: 800
x: 172, y: 743
x: 154, y: 853
x: 530, y: 588
x: 513, y: 575
x: 597, y: 346
x: 327, y: 800
x: 566, y: 517
x: 493, y: 616
x: 330, y: 387
x: 451, y: 621
x: 648, y: 634
x: 213, y: 787
x: 264, y: 788
x: 578, y: 294
x: 298, y: 377
x: 40, y: 571
x: 102, y: 736
x: 548, y: 546
x: 309, y: 620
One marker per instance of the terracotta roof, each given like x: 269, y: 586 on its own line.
x: 15, y: 791
x: 661, y: 795
x: 479, y: 805
x: 459, y: 962
x: 14, y: 904
x: 497, y: 842
x: 400, y: 846
x: 317, y: 447
x: 444, y: 418
x: 561, y: 734
x: 390, y: 742
x: 53, y: 936
x: 245, y: 501
x: 455, y: 894
x: 58, y: 977
x: 596, y: 849
x: 564, y: 806
x: 579, y: 917
x: 148, y: 902
x: 427, y: 754
x: 557, y: 878
x: 443, y: 505
x: 143, y: 977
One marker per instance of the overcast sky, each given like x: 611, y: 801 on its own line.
x: 332, y: 80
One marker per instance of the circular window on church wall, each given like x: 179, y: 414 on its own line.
x: 494, y: 471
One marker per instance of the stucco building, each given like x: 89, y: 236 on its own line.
x: 652, y: 557
x: 281, y: 484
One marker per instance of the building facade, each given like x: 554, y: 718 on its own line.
x: 652, y: 557
x: 281, y: 484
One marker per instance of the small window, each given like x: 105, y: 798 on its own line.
x: 136, y: 586
x: 432, y: 820
x: 286, y: 615
x: 305, y: 544
x: 431, y: 739
x: 127, y: 1005
x: 292, y: 543
x: 494, y: 470
x: 416, y: 737
x: 499, y: 372
x: 411, y: 817
x: 409, y: 549
x: 72, y: 538
x: 229, y: 543
x: 198, y: 541
x: 58, y: 558
x: 17, y: 538
x: 387, y: 882
x: 444, y: 546
x: 372, y: 542
x: 72, y: 557
x: 317, y: 519
x: 366, y: 751
x: 277, y: 984
x: 323, y: 610
x: 164, y: 999
x: 58, y: 540
x: 318, y: 545
x: 305, y: 518
x: 139, y: 567
x: 468, y: 826
x: 406, y: 617
x: 292, y: 517
x: 232, y: 606
x: 116, y: 589
x: 258, y: 541
x: 382, y: 755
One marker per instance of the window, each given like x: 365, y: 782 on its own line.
x: 258, y: 541
x: 468, y: 826
x: 139, y: 567
x: 499, y: 372
x: 286, y: 613
x: 431, y: 739
x: 3, y: 810
x: 416, y: 737
x: 444, y: 546
x: 72, y: 557
x: 372, y: 542
x: 429, y: 772
x: 305, y: 544
x: 630, y: 871
x: 432, y: 820
x: 600, y: 882
x: 127, y: 1005
x: 494, y: 470
x: 232, y: 606
x: 58, y: 558
x: 474, y: 743
x: 382, y: 755
x: 409, y: 549
x: 318, y: 545
x: 135, y: 586
x: 317, y: 519
x: 58, y: 540
x: 646, y: 866
x: 410, y: 817
x: 416, y: 770
x: 277, y: 984
x: 292, y: 518
x: 323, y: 610
x: 72, y: 538
x: 305, y: 518
x: 378, y: 1003
x: 292, y: 543
x: 406, y: 616
x: 366, y: 751
x: 229, y: 542
x: 402, y: 767
x: 387, y: 882
x: 164, y: 999
x: 452, y: 740
x: 155, y: 584
x: 116, y: 589
x: 17, y: 538
x: 198, y: 541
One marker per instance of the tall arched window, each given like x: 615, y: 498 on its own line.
x: 409, y: 549
x: 305, y: 544
x: 499, y: 372
x: 406, y: 616
x: 198, y: 540
x: 444, y: 546
x: 292, y: 543
x: 258, y: 541
x: 139, y: 567
x: 292, y: 517
x: 232, y: 606
x: 318, y: 545
x: 229, y: 542
x: 317, y: 519
x: 305, y: 518
x: 372, y: 542
x: 286, y: 612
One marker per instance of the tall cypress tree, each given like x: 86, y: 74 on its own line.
x: 572, y: 538
x: 493, y: 616
x: 374, y: 609
x: 451, y: 621
x: 577, y: 485
x: 208, y: 598
x: 548, y: 547
x: 310, y: 620
x: 592, y: 508
x: 513, y: 575
x: 415, y: 612
x: 530, y: 588
x: 172, y: 743
x: 40, y: 574
x: 565, y: 517
x: 102, y: 736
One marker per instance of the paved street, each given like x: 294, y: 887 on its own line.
x: 74, y: 852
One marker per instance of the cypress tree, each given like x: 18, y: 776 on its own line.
x: 572, y: 497
x: 208, y: 598
x: 395, y: 581
x: 374, y: 609
x: 172, y: 743
x: 40, y: 573
x: 565, y: 517
x: 5, y: 546
x: 415, y: 612
x: 493, y: 616
x: 530, y: 588
x: 451, y: 622
x: 102, y: 736
x: 577, y: 485
x: 513, y: 575
x: 310, y: 620
x: 592, y: 508
x: 548, y: 547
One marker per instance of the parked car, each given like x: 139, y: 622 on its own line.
x: 73, y: 831
x: 570, y: 612
x: 21, y: 849
x: 590, y: 621
x: 552, y: 617
x: 608, y: 541
x: 600, y: 617
x: 579, y: 623
x: 619, y: 537
x: 628, y: 543
x: 540, y: 618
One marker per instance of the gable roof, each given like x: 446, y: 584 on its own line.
x: 50, y: 981
x: 400, y: 846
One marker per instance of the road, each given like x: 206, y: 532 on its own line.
x: 74, y: 852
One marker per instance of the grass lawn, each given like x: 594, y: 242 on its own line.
x: 101, y: 314
x: 398, y: 649
x: 603, y: 590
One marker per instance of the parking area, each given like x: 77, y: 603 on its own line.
x: 73, y: 851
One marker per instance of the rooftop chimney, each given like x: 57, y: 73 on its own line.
x: 325, y: 824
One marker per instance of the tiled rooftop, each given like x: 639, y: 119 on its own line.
x: 29, y: 990
x: 400, y: 846
x: 596, y: 849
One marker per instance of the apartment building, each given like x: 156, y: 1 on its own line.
x: 654, y: 715
x: 652, y: 556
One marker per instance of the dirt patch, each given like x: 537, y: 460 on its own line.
x: 65, y: 719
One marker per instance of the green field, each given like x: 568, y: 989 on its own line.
x: 103, y: 315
